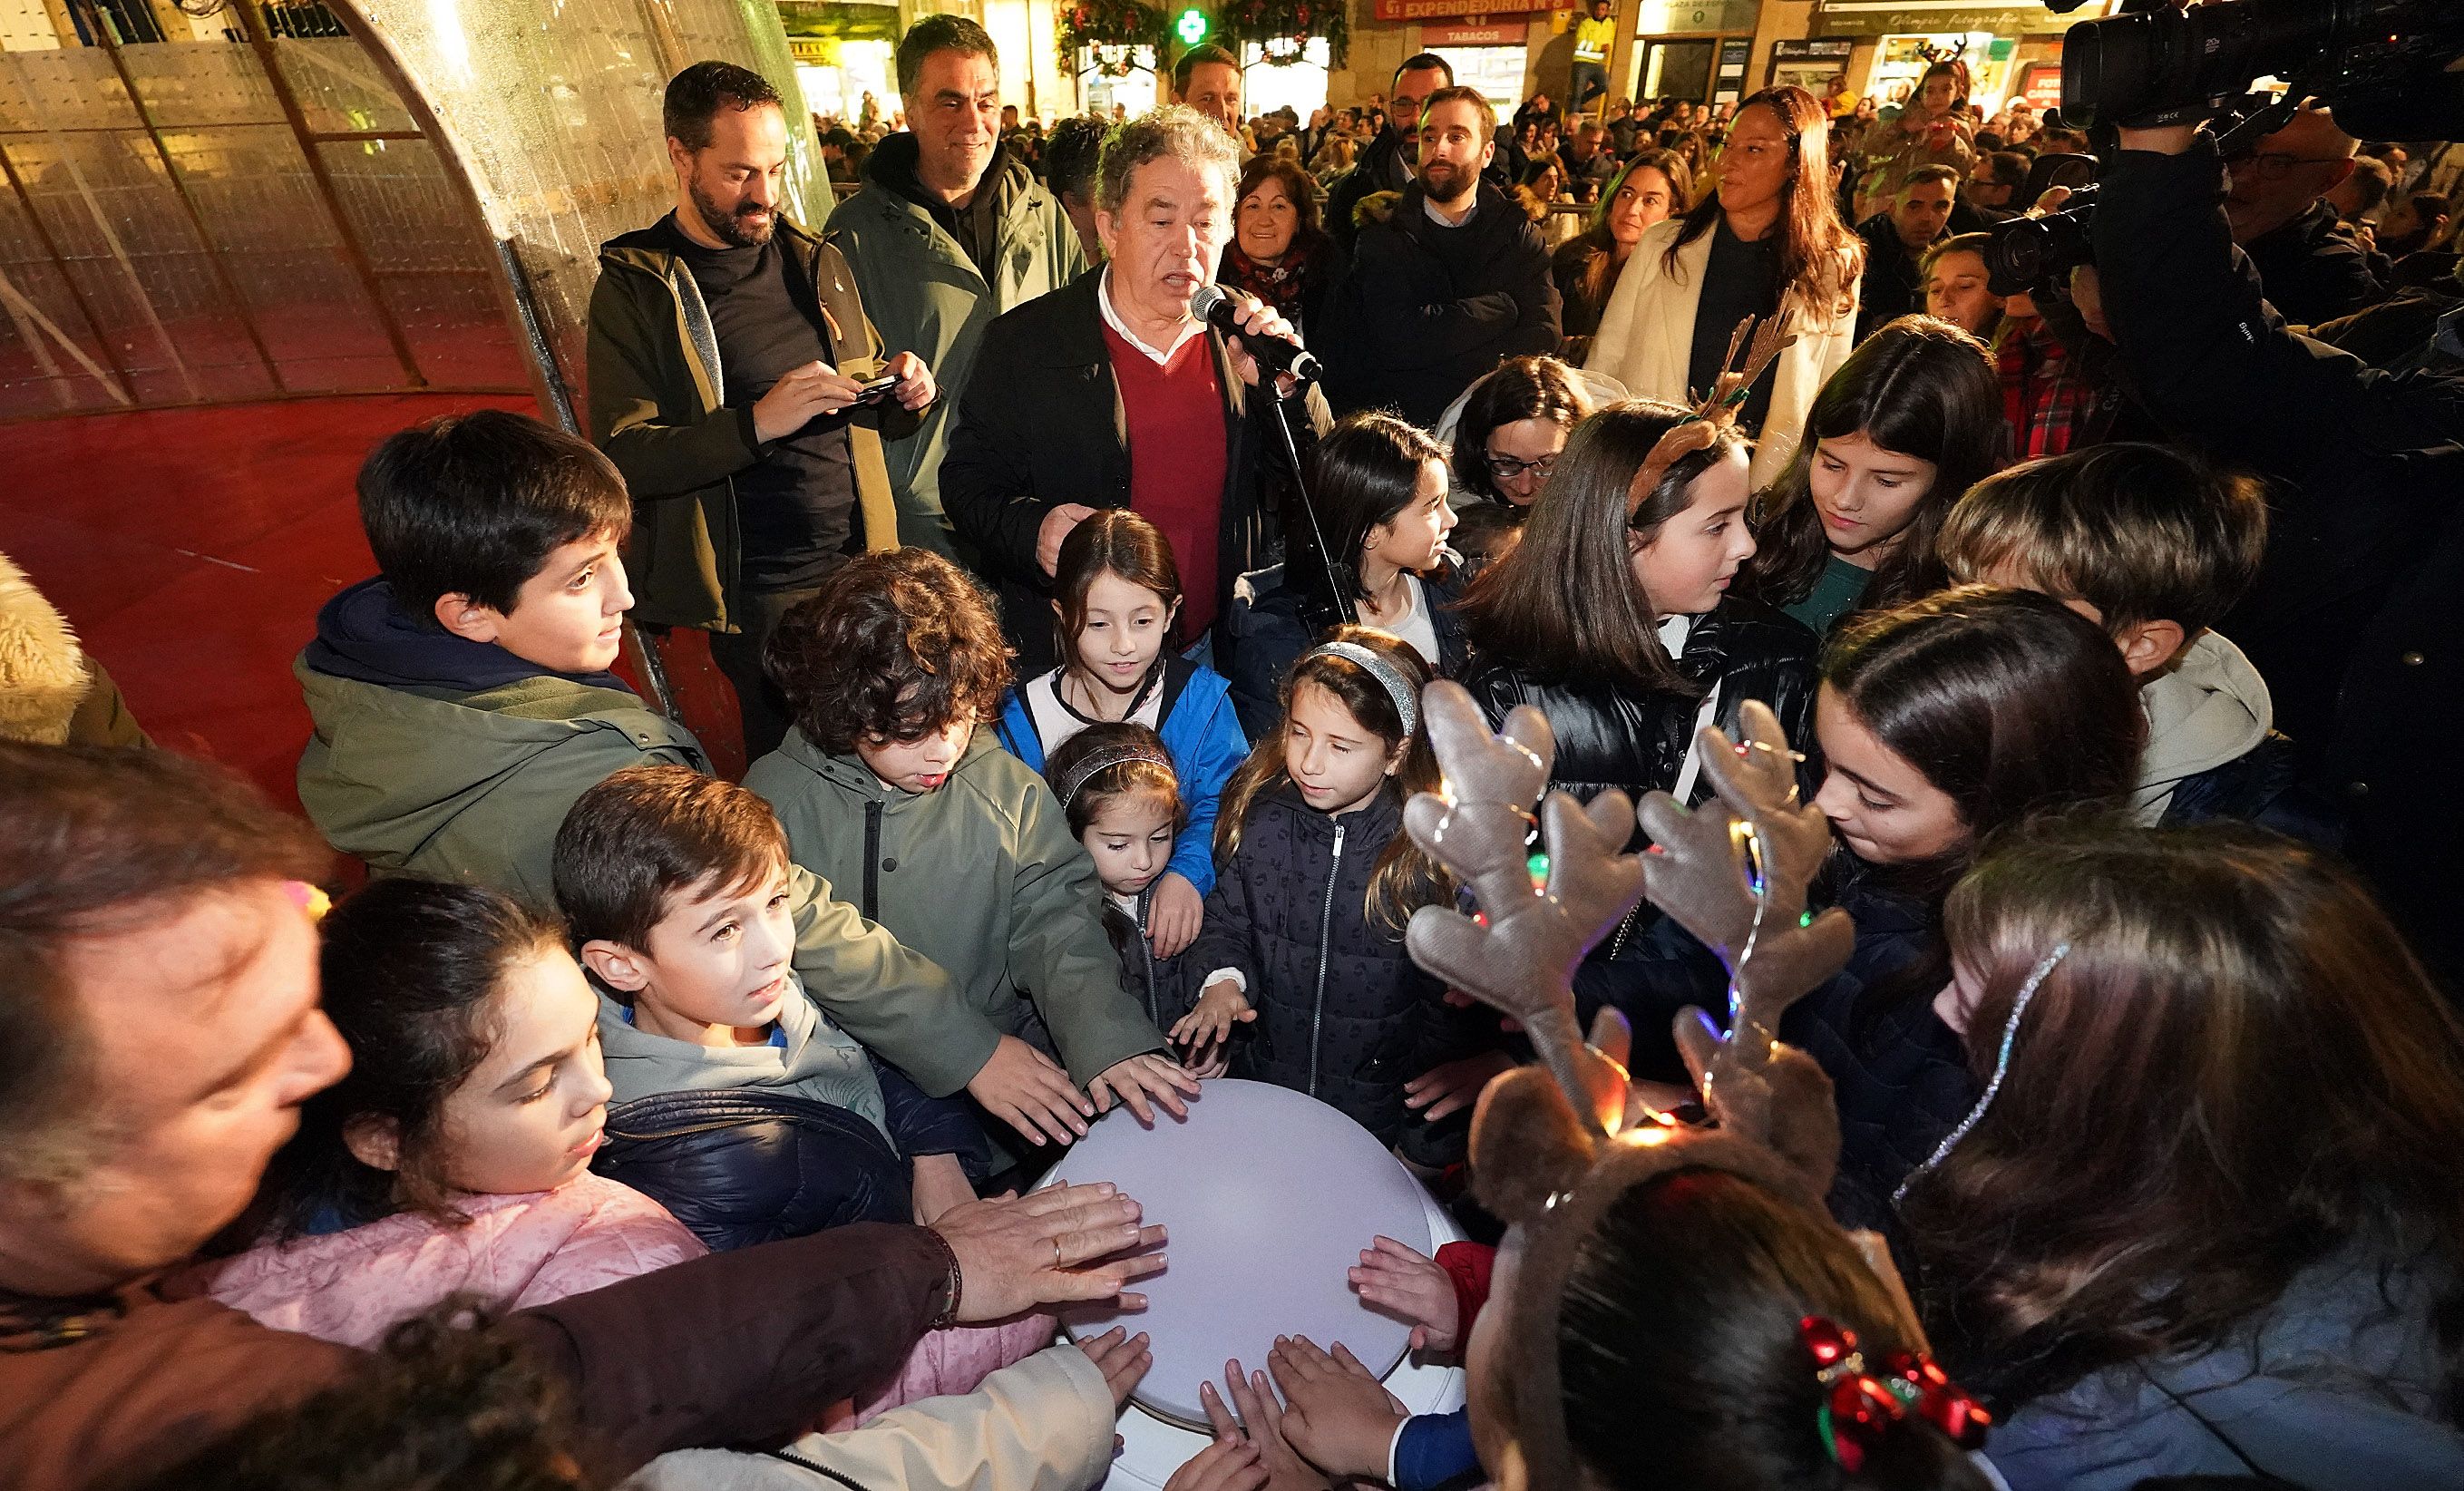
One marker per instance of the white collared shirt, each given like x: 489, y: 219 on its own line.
x: 1162, y: 358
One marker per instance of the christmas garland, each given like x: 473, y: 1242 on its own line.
x: 1111, y: 32
x: 1283, y: 29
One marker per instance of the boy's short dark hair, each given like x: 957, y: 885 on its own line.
x: 472, y: 504
x: 893, y: 646
x: 635, y: 841
x: 2142, y: 533
x: 697, y: 95
x: 939, y: 33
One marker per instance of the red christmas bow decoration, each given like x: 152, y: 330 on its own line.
x: 1861, y: 1407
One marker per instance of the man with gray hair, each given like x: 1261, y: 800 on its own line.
x: 949, y: 231
x: 1112, y: 393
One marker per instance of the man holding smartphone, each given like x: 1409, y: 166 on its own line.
x: 739, y: 388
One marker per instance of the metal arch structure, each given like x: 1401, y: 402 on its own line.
x: 207, y: 220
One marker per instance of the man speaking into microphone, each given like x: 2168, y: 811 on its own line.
x: 1115, y: 391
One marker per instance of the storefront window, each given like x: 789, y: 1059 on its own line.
x: 1122, y: 77
x: 1300, y: 84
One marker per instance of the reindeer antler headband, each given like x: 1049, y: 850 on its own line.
x: 1714, y: 414
x: 1553, y: 1146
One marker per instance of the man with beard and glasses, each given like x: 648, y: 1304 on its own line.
x: 1453, y: 280
x: 730, y: 355
x: 1386, y: 161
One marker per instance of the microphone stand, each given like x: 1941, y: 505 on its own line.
x: 1337, y: 585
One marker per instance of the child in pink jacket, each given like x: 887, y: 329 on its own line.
x: 455, y: 1158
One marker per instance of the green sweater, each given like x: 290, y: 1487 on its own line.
x: 983, y: 877
x: 473, y: 786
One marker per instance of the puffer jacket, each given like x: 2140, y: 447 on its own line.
x: 1344, y: 1013
x: 1609, y: 736
x: 747, y: 1165
x: 1268, y: 632
x: 1160, y: 984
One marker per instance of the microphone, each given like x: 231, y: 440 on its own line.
x: 1275, y: 354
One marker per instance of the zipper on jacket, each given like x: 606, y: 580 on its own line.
x: 1325, y: 939
x: 872, y: 861
x: 1146, y: 955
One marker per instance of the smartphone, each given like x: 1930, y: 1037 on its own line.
x: 875, y: 392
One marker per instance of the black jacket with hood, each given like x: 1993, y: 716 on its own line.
x: 1344, y: 1013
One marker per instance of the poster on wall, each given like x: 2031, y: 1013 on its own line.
x: 1729, y: 84
x: 1811, y: 64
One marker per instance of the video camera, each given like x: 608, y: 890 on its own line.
x: 2032, y: 255
x: 2389, y: 69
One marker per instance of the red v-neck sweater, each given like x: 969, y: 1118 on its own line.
x: 1177, y: 461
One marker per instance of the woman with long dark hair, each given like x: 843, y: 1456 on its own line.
x: 1278, y: 251
x: 1911, y: 421
x: 2208, y: 1216
x: 1768, y: 241
x: 1613, y: 615
x: 1648, y: 190
x: 1380, y: 484
x: 1513, y: 424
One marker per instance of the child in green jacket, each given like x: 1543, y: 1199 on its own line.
x: 952, y: 843
x: 462, y: 702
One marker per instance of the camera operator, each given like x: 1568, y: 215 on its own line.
x: 2355, y: 621
x: 2313, y: 266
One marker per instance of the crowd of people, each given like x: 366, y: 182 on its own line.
x: 631, y: 1122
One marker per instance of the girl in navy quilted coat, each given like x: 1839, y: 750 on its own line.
x: 1306, y: 981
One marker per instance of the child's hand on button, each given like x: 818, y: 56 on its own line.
x: 1220, y: 1007
x: 1411, y: 1287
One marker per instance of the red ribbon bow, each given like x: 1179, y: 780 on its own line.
x: 1861, y: 1407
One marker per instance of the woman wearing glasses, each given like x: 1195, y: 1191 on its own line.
x: 1769, y: 241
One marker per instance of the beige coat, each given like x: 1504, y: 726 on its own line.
x: 1042, y: 1425
x: 1646, y: 340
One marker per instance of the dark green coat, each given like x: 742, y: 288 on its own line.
x: 983, y: 876
x: 655, y: 408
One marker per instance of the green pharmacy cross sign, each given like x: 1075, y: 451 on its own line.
x: 1191, y: 26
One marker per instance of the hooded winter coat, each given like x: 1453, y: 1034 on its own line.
x: 656, y: 408
x: 2211, y: 754
x: 983, y: 876
x: 451, y: 759
x: 1344, y: 1013
x: 927, y: 297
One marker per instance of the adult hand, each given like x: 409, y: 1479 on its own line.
x: 1224, y: 1465
x: 1174, y: 919
x: 1142, y: 1077
x: 1261, y: 1423
x: 1122, y: 1358
x: 1259, y: 318
x: 915, y: 387
x: 799, y: 396
x: 2050, y: 203
x: 1047, y: 1247
x: 1055, y: 527
x: 1455, y: 1086
x: 1027, y: 1090
x: 1337, y: 1414
x: 1411, y: 1285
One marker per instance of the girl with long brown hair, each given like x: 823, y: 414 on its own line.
x: 2209, y: 1216
x: 1911, y: 421
x: 1767, y: 241
x: 1611, y: 615
x: 1302, y: 978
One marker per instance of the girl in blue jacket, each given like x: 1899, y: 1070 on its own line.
x: 1116, y: 598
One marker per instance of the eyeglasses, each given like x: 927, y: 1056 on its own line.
x: 2275, y: 166
x: 1505, y: 468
